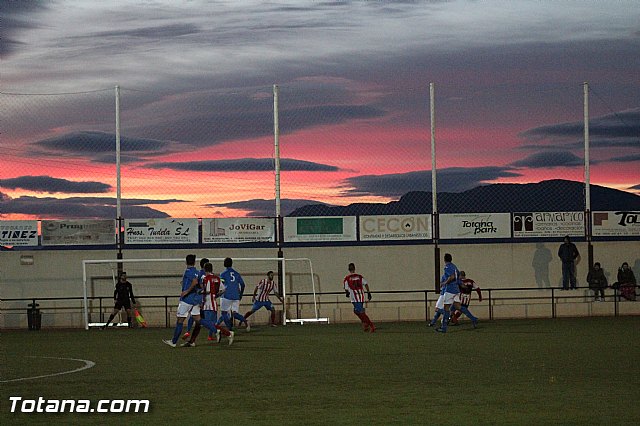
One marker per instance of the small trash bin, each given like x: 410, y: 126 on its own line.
x: 34, y: 317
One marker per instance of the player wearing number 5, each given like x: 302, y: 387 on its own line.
x: 354, y: 286
x: 230, y: 299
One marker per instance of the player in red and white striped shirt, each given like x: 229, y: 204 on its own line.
x: 354, y: 286
x: 260, y: 299
x: 467, y: 286
x: 211, y: 286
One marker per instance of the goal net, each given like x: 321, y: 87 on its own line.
x: 156, y: 286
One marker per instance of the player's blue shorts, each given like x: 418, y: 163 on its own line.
x: 257, y: 305
x: 358, y: 307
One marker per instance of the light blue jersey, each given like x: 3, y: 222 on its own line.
x: 452, y: 270
x: 234, y: 284
x: 195, y: 297
x: 442, y: 286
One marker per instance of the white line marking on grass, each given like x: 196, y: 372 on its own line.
x: 87, y: 364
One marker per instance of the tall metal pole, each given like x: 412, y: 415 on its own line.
x: 435, y: 222
x: 587, y: 177
x: 587, y: 195
x: 118, y: 188
x: 432, y: 106
x: 279, y: 233
x: 119, y: 223
x: 276, y: 139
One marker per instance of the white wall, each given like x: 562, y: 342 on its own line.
x: 58, y: 273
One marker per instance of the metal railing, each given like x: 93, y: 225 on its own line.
x: 302, y: 300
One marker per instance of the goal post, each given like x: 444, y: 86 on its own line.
x: 316, y: 310
x: 108, y: 262
x: 148, y: 276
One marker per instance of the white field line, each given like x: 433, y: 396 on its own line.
x: 87, y: 364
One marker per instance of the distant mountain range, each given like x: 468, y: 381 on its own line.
x: 545, y: 196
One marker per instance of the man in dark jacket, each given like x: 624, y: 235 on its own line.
x: 568, y: 253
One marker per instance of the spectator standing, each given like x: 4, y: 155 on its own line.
x: 568, y: 253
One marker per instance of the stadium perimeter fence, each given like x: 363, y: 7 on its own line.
x: 503, y: 303
x: 210, y: 153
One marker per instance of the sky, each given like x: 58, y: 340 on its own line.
x: 196, y: 101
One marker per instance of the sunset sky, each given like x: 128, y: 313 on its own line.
x: 196, y: 81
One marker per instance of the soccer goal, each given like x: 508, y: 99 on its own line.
x: 155, y: 281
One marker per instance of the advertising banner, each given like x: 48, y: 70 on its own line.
x: 161, y: 231
x: 395, y: 227
x: 475, y: 225
x: 238, y: 230
x: 19, y: 233
x: 78, y: 232
x: 616, y: 224
x: 325, y: 228
x: 548, y: 224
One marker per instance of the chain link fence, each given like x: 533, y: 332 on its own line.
x: 346, y: 148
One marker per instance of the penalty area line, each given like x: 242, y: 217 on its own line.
x: 87, y: 364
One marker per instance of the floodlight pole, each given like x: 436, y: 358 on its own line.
x: 276, y: 140
x: 587, y: 177
x: 435, y: 227
x: 278, y: 222
x: 119, y: 222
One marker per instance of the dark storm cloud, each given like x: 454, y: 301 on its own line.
x: 80, y: 207
x: 213, y: 128
x: 543, y: 160
x: 99, y: 145
x: 244, y: 165
x: 8, y: 46
x: 593, y: 143
x: 626, y: 159
x: 616, y: 133
x: 266, y: 208
x: 624, y: 124
x: 156, y: 33
x: 54, y: 185
x: 455, y: 179
x: 16, y: 16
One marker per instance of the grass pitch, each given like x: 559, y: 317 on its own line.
x: 562, y: 371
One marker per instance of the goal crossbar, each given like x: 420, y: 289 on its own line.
x: 284, y: 261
